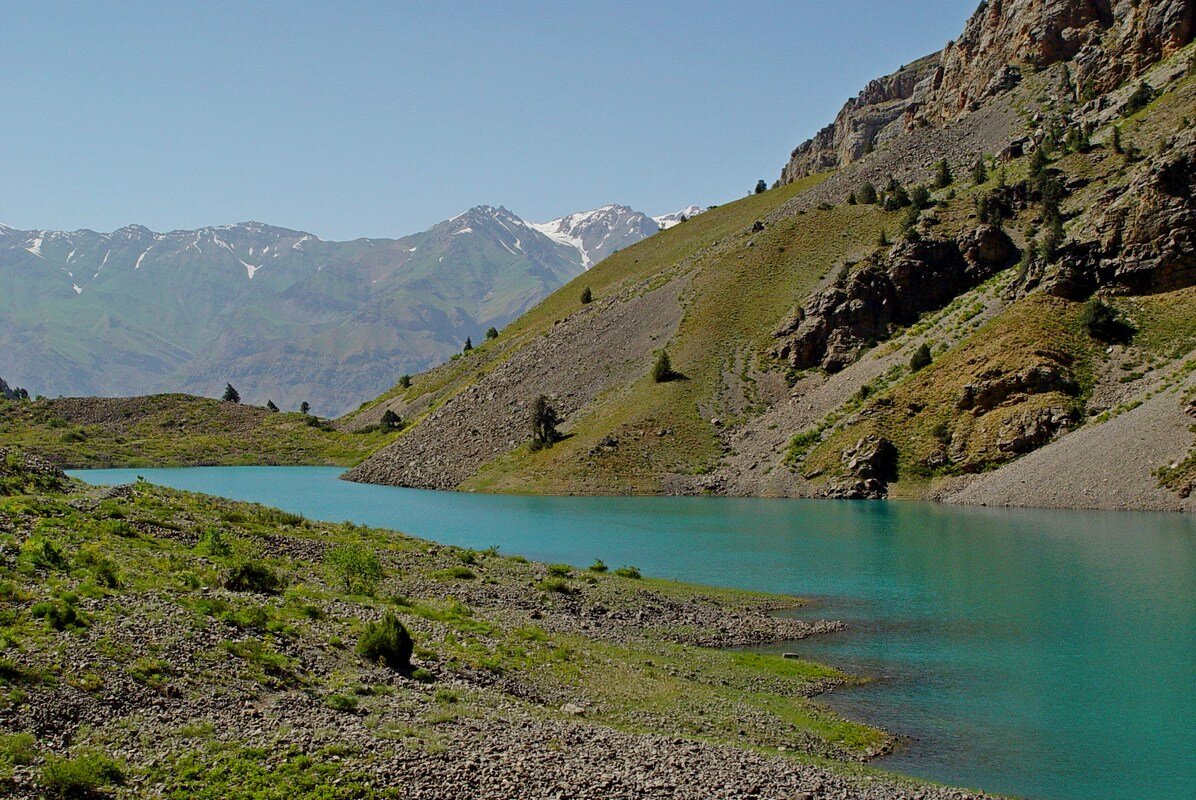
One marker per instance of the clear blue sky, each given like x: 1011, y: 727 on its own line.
x: 379, y: 119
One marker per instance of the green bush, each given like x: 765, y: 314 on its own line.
x: 250, y: 576
x: 1102, y: 323
x: 341, y: 702
x: 386, y: 642
x: 82, y: 776
x: 457, y: 573
x: 598, y: 566
x: 662, y: 370
x: 587, y: 296
x: 424, y: 675
x: 357, y: 569
x: 43, y: 554
x: 628, y: 572
x: 921, y: 358
x: 212, y: 543
x: 560, y: 570
x: 557, y: 585
x: 58, y: 614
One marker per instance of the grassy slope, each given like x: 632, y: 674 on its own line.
x: 741, y: 285
x: 135, y: 557
x: 175, y: 430
x: 1017, y: 338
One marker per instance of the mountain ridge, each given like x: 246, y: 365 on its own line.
x: 282, y: 313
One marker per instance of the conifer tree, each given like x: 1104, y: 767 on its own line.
x: 231, y: 395
x: 942, y: 175
x: 304, y: 408
x: 492, y: 333
x: 544, y: 422
x: 270, y: 405
x: 587, y: 296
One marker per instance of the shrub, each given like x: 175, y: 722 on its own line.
x: 386, y: 642
x: 868, y: 194
x: 662, y: 370
x: 761, y: 186
x: 43, y: 554
x: 598, y: 566
x: 587, y: 296
x: 942, y: 175
x: 1143, y: 96
x: 558, y: 585
x: 212, y: 543
x: 980, y: 171
x: 58, y: 614
x: 628, y: 572
x: 391, y: 421
x: 341, y: 702
x: 231, y: 395
x: 405, y: 382
x: 457, y: 573
x: 250, y: 576
x: 357, y: 569
x: 491, y: 333
x: 1102, y: 323
x: 16, y: 749
x: 544, y: 422
x: 424, y: 675
x: 81, y: 776
x: 560, y: 570
x: 920, y: 197
x: 921, y: 358
x: 271, y: 406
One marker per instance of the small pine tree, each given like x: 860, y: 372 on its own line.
x: 391, y: 421
x: 270, y: 405
x: 662, y: 370
x: 1117, y: 148
x: 920, y: 197
x: 304, y: 408
x: 883, y: 241
x: 1053, y: 240
x: 492, y: 333
x: 868, y: 195
x: 1142, y: 97
x: 942, y: 175
x: 587, y: 296
x: 980, y: 171
x: 910, y: 220
x: 895, y: 196
x: 468, y: 345
x: 231, y: 395
x: 405, y: 382
x: 544, y: 422
x: 851, y: 199
x: 921, y: 358
x: 761, y: 186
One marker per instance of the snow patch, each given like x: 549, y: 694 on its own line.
x: 139, y: 258
x: 36, y: 247
x: 250, y: 268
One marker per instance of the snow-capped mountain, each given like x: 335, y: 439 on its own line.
x: 281, y: 313
x: 669, y: 220
x: 598, y: 233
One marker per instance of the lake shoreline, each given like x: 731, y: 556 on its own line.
x: 494, y: 679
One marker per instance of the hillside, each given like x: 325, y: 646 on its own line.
x: 159, y: 643
x: 174, y: 431
x: 282, y: 314
x: 1046, y: 266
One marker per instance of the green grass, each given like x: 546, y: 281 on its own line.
x: 651, y: 684
x: 175, y: 430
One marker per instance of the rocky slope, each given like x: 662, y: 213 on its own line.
x: 162, y: 644
x: 282, y: 314
x: 1105, y: 42
x: 1048, y: 292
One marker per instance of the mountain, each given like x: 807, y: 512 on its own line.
x: 977, y: 285
x: 282, y: 314
x: 677, y: 217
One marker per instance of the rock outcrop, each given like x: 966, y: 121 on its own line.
x: 1105, y: 42
x: 872, y: 299
x: 1145, y: 239
x: 871, y: 464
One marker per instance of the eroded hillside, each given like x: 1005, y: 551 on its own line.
x: 999, y: 277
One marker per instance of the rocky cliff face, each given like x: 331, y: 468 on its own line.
x: 888, y: 290
x: 1106, y: 43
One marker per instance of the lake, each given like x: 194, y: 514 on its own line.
x: 1046, y: 654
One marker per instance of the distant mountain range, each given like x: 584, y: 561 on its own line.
x: 282, y: 314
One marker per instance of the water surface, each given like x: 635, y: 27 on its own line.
x: 1047, y: 654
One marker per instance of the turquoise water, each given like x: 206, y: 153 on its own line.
x: 1045, y: 654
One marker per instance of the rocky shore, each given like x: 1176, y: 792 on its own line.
x: 161, y: 644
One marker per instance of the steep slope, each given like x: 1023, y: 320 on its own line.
x: 791, y: 318
x: 282, y: 314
